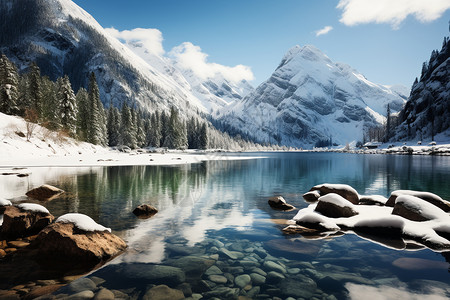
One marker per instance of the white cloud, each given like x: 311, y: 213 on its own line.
x: 390, y: 11
x: 324, y: 30
x: 359, y: 291
x: 149, y: 38
x: 190, y: 57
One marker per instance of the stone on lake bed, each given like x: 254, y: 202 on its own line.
x: 213, y: 270
x: 104, y: 294
x: 218, y: 279
x: 158, y: 274
x: 257, y: 279
x: 223, y: 252
x: 81, y: 295
x: 163, y: 292
x: 82, y: 284
x: 242, y: 280
x: 44, y: 192
x: 294, y: 246
x: 273, y: 266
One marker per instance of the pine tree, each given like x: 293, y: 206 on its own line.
x: 203, y: 137
x: 176, y: 136
x: 192, y: 134
x: 388, y: 124
x: 154, y: 135
x: 35, y: 89
x: 82, y: 98
x: 163, y: 121
x: 50, y: 104
x: 67, y: 107
x: 9, y: 82
x: 127, y: 129
x: 113, y: 126
x: 96, y: 130
x: 140, y: 132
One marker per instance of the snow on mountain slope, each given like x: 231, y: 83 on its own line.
x: 308, y: 99
x: 64, y: 39
x: 212, y: 89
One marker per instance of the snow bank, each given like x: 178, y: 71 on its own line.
x: 4, y: 202
x: 391, y: 221
x: 82, y: 222
x: 33, y: 207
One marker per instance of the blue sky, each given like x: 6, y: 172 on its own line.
x: 388, y: 48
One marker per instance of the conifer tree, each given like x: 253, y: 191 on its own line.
x: 154, y: 137
x: 113, y: 126
x: 203, y: 137
x: 176, y: 137
x: 9, y: 82
x: 388, y: 123
x: 163, y: 121
x: 67, y: 107
x: 35, y: 89
x: 140, y: 133
x: 50, y: 104
x: 82, y: 98
x: 96, y: 131
x: 127, y: 129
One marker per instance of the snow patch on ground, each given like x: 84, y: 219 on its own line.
x: 4, y: 202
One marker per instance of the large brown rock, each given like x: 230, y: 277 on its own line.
x: 18, y: 222
x: 66, y: 242
x: 335, y: 206
x: 44, y: 192
x: 145, y: 211
x: 429, y: 197
x: 343, y: 190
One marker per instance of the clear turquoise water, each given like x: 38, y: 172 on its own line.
x: 223, y: 204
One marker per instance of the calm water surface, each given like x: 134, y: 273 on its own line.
x: 216, y: 213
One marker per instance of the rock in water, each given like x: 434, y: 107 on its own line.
x: 334, y: 206
x: 163, y: 292
x: 278, y: 202
x: 343, y: 190
x: 66, y: 243
x: 429, y: 197
x: 18, y: 222
x: 311, y: 196
x: 145, y: 211
x: 416, y: 209
x: 44, y: 192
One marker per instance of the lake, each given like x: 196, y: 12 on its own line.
x: 215, y: 234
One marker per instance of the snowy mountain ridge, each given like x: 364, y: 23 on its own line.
x: 308, y: 99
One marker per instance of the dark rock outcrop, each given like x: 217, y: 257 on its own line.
x: 279, y: 203
x: 18, y: 222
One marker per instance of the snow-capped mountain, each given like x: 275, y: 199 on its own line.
x: 64, y: 39
x: 427, y: 112
x: 309, y: 99
x: 214, y: 92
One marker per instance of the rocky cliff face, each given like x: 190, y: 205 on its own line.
x: 427, y: 112
x: 309, y: 99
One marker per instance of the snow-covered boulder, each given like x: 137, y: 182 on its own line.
x: 416, y: 209
x: 335, y: 206
x: 343, y: 190
x: 79, y: 240
x: 383, y: 225
x: 44, y: 192
x: 279, y: 203
x: 311, y: 196
x: 372, y: 200
x: 24, y: 220
x: 429, y: 197
x: 3, y: 204
x: 316, y: 221
x: 145, y: 211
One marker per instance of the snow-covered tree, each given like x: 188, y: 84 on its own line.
x: 140, y: 131
x: 176, y: 132
x: 50, y: 103
x: 154, y: 132
x: 67, y: 106
x: 9, y: 82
